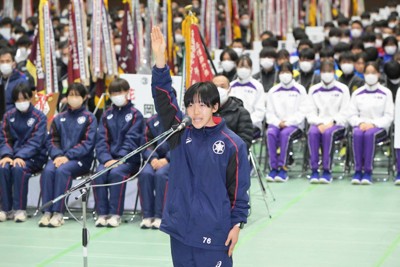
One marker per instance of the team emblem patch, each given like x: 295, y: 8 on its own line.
x: 109, y: 117
x: 219, y: 147
x: 12, y: 119
x: 81, y: 120
x: 30, y: 122
x: 156, y: 123
x: 128, y: 117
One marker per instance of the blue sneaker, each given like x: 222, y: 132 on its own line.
x: 271, y: 175
x: 282, y: 176
x: 367, y: 178
x: 326, y: 177
x: 314, y: 178
x: 357, y: 177
x: 397, y: 180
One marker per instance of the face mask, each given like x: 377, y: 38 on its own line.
x: 6, y: 33
x: 239, y: 51
x: 16, y: 36
x: 117, y: 49
x: 336, y: 57
x: 377, y: 30
x: 395, y: 81
x: 179, y: 38
x: 6, y: 69
x: 58, y: 54
x: 378, y: 43
x: 21, y: 55
x: 177, y: 20
x: 327, y: 77
x: 371, y: 79
x: 245, y: 22
x: 228, y: 65
x: 223, y: 95
x: 65, y: 60
x: 356, y: 33
x: 345, y: 40
x: 75, y: 101
x: 326, y: 34
x: 392, y: 25
x: 365, y: 22
x: 63, y: 39
x: 306, y: 66
x: 243, y: 73
x: 267, y: 63
x: 285, y: 78
x: 347, y: 68
x: 119, y: 100
x: 367, y: 45
x: 22, y: 106
x: 334, y: 40
x: 385, y: 35
x: 390, y: 49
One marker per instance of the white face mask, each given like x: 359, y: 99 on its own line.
x: 392, y: 25
x: 306, y: 66
x: 365, y: 22
x: 6, y: 69
x: 285, y: 78
x: 267, y: 63
x: 395, y: 81
x: 334, y: 40
x: 243, y: 73
x: 179, y: 38
x: 239, y: 51
x: 223, y: 95
x: 347, y: 68
x: 177, y: 20
x: 371, y: 79
x: 378, y: 43
x: 16, y: 36
x: 245, y: 22
x: 345, y: 40
x: 390, y: 49
x: 327, y: 77
x: 228, y: 65
x: 356, y: 33
x: 117, y: 49
x: 119, y: 100
x: 75, y: 101
x: 63, y: 39
x: 326, y: 34
x: 65, y: 60
x: 21, y: 55
x: 367, y: 45
x: 385, y: 35
x: 6, y: 33
x: 22, y: 106
x: 377, y: 30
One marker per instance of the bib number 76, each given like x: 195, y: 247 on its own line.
x: 206, y: 240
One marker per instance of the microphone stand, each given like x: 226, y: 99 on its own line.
x: 83, y: 186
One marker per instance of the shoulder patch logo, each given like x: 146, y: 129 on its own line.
x: 128, y: 117
x: 109, y: 117
x: 156, y: 123
x: 30, y: 122
x: 188, y: 140
x: 12, y: 119
x: 81, y: 119
x: 63, y: 119
x: 219, y: 147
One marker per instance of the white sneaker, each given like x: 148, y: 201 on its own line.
x: 114, y: 221
x: 45, y: 220
x: 101, y: 221
x: 3, y: 216
x: 156, y: 223
x: 57, y: 220
x: 146, y: 223
x: 20, y: 216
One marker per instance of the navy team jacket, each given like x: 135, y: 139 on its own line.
x: 209, y: 175
x: 121, y: 131
x: 73, y: 135
x: 154, y: 129
x: 23, y: 136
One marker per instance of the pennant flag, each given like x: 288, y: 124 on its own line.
x: 232, y: 29
x: 197, y: 68
x: 127, y: 60
x: 103, y: 61
x: 138, y: 34
x: 168, y: 32
x: 27, y: 11
x: 78, y: 66
x: 8, y: 9
x: 41, y: 63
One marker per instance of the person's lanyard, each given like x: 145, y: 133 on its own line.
x: 5, y: 87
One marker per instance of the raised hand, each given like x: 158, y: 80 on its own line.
x: 158, y: 46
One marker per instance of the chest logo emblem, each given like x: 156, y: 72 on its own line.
x: 128, y: 117
x: 219, y: 147
x: 30, y: 122
x: 81, y: 120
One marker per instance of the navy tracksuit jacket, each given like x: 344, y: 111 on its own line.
x: 209, y: 176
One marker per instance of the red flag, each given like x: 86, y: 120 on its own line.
x: 127, y: 60
x: 200, y: 70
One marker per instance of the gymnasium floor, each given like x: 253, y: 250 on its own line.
x: 335, y: 225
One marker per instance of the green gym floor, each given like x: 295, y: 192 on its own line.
x: 312, y: 225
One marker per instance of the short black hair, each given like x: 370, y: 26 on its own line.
x: 119, y: 85
x: 270, y: 42
x: 245, y: 58
x: 362, y: 55
x: 365, y: 15
x: 6, y: 50
x: 327, y: 64
x: 63, y: 45
x: 374, y: 64
x: 390, y: 39
x: 205, y: 92
x: 347, y: 56
x: 357, y: 22
x: 22, y: 88
x: 343, y: 21
x: 357, y: 43
x: 326, y: 52
x: 335, y: 32
x: 24, y: 40
x: 341, y: 47
x: 305, y: 42
x: 329, y: 24
x: 298, y: 33
x: 372, y: 54
x: 232, y: 54
x: 368, y: 37
x: 79, y: 88
x: 283, y: 53
x: 392, y: 69
x: 307, y: 53
x: 268, y: 52
x: 286, y: 66
x: 267, y: 33
x: 33, y: 20
x: 6, y: 21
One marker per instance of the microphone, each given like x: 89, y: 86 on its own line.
x: 186, y: 121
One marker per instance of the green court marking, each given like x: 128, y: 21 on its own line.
x: 253, y: 232
x: 71, y: 248
x: 388, y: 251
